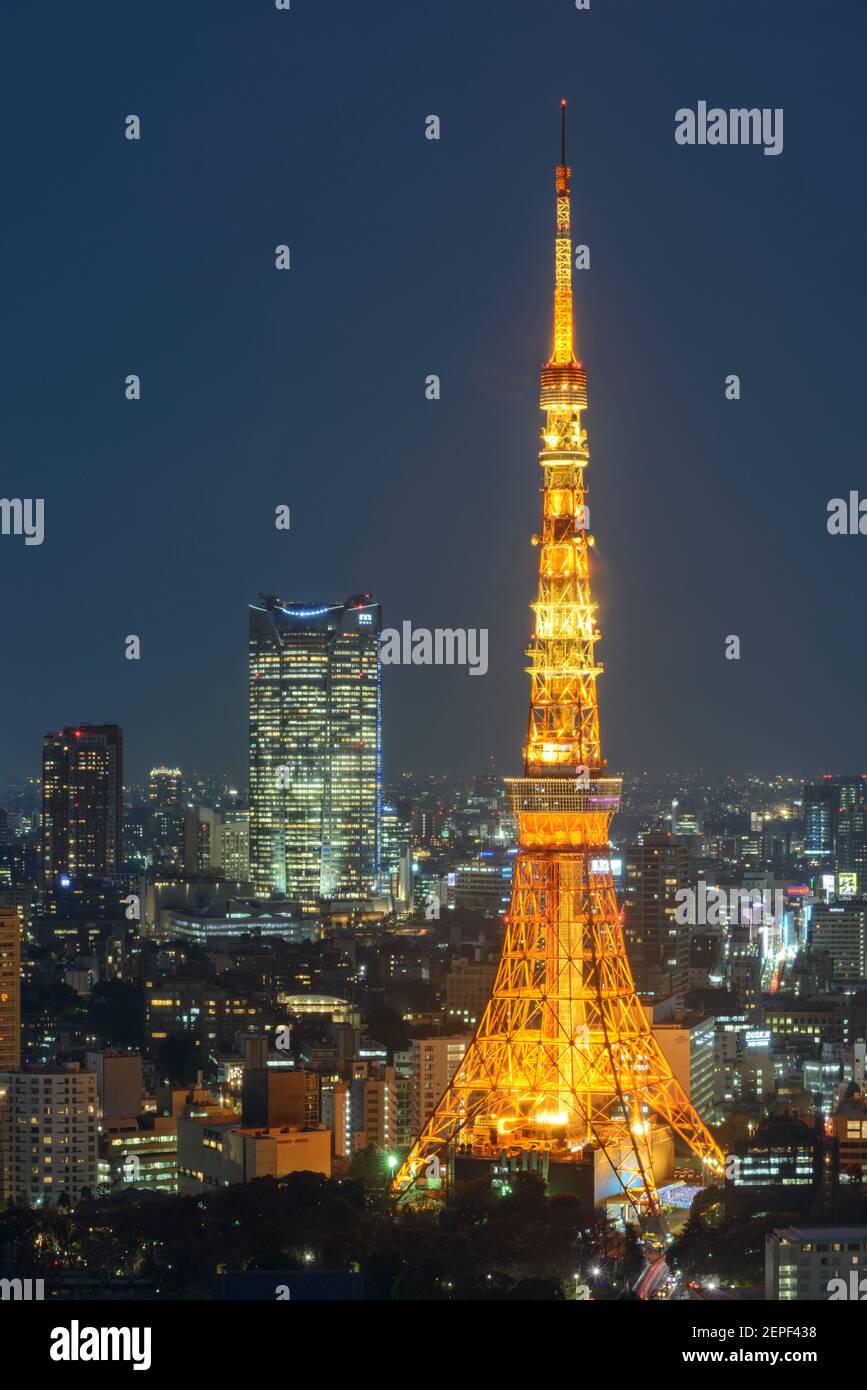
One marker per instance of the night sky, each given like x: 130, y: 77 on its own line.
x: 410, y: 257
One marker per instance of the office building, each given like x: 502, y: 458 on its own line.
x: 830, y: 817
x: 140, y: 1153
x: 315, y: 750
x: 840, y: 929
x: 214, y: 1150
x: 778, y: 1168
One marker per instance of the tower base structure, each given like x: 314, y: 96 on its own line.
x: 564, y: 1063
x: 587, y: 1175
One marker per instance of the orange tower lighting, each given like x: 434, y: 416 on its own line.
x: 563, y: 1056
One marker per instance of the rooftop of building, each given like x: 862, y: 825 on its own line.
x: 814, y: 1233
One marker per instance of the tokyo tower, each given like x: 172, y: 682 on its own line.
x: 563, y: 1069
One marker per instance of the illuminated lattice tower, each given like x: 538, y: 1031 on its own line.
x: 563, y: 1057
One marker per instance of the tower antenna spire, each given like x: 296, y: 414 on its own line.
x: 562, y: 349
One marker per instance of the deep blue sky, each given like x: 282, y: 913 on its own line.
x: 410, y: 257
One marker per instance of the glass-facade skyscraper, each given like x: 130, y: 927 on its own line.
x: 315, y: 749
x: 833, y: 819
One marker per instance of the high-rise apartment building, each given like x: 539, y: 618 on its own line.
x: 82, y: 803
x: 48, y: 1135
x: 361, y: 1108
x: 10, y: 989
x: 315, y: 749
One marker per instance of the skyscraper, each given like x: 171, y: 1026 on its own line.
x: 167, y: 826
x: 820, y: 819
x: 315, y: 749
x: 82, y: 803
x: 828, y: 804
x: 165, y: 786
